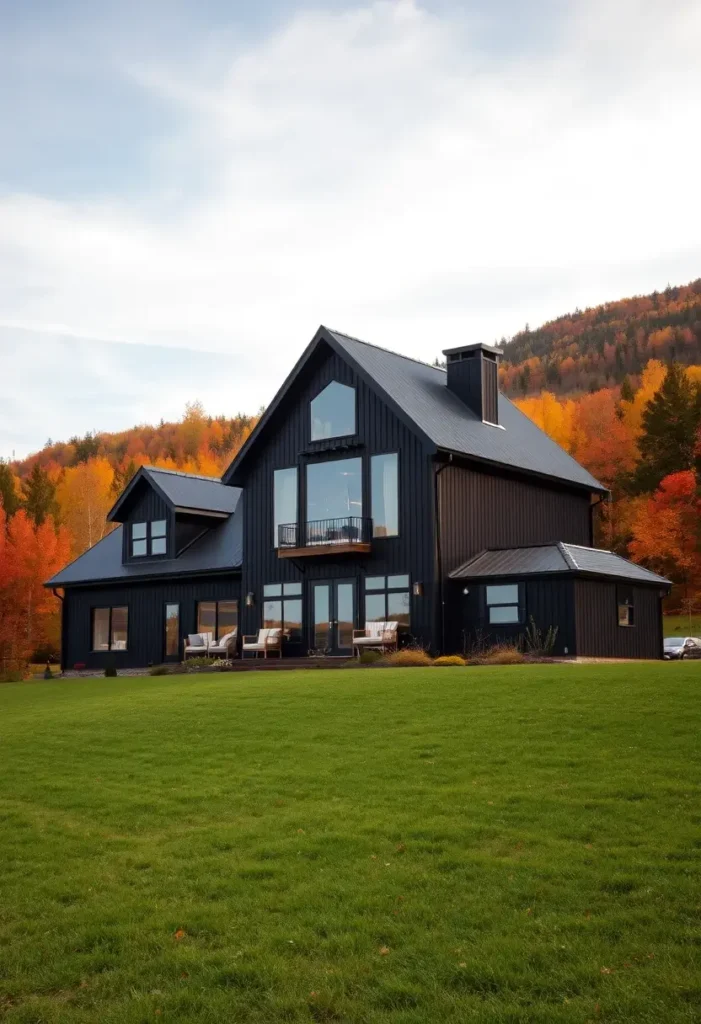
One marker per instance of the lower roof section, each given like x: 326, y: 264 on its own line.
x: 546, y: 559
x: 220, y: 549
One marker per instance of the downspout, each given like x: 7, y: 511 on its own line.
x: 592, y: 506
x: 439, y: 551
x: 55, y: 592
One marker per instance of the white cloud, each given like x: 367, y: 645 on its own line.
x: 373, y: 170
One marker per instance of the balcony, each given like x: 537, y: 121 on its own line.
x: 350, y: 535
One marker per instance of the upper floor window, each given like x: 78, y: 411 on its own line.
x: 334, y: 490
x: 148, y: 538
x: 333, y: 412
x: 384, y: 482
x: 284, y: 501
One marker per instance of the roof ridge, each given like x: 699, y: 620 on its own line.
x: 181, y: 472
x: 389, y: 351
x: 588, y: 547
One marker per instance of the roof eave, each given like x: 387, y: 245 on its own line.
x: 595, y: 488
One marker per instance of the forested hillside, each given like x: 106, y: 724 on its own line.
x: 600, y: 347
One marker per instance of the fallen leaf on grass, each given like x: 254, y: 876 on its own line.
x: 180, y: 934
x: 384, y: 950
x: 607, y: 970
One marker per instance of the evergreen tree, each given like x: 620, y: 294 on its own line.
x: 8, y: 495
x: 670, y: 424
x: 86, y: 448
x: 123, y: 476
x: 627, y: 392
x: 39, y: 495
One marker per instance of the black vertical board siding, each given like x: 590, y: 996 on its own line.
x: 598, y: 632
x: 550, y: 602
x: 283, y: 445
x: 146, y: 627
x: 494, y: 510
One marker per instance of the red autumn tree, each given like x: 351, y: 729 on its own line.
x: 666, y: 529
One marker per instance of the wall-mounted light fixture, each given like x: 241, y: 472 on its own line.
x: 417, y: 589
x: 466, y: 590
x: 250, y: 600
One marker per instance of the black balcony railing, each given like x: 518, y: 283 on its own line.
x: 349, y: 530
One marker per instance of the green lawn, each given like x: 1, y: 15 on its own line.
x: 682, y: 625
x: 502, y: 845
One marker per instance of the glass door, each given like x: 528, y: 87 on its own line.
x: 333, y: 616
x: 172, y: 633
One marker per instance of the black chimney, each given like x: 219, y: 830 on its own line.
x: 473, y: 375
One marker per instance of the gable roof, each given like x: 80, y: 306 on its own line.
x: 573, y: 559
x: 418, y: 394
x: 219, y: 549
x: 180, y: 491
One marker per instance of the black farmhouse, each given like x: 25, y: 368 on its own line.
x: 374, y: 488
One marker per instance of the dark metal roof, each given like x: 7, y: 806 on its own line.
x: 421, y: 391
x: 572, y: 559
x: 181, y: 490
x: 220, y: 548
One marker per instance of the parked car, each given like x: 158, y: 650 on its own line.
x: 680, y: 647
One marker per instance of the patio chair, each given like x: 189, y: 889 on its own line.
x: 267, y: 640
x: 225, y: 647
x: 376, y: 636
x: 197, y: 645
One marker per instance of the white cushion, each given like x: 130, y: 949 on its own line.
x: 254, y: 647
x: 195, y: 640
x: 227, y: 638
x: 368, y: 641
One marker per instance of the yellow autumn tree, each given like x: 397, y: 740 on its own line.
x: 85, y: 497
x: 650, y: 383
x: 551, y: 414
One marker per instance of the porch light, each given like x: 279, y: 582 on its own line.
x: 250, y: 599
x: 417, y: 589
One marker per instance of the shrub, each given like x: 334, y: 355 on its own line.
x: 201, y: 662
x: 502, y: 654
x: 407, y: 657
x: 44, y: 653
x: 537, y: 643
x: 110, y: 671
x: 48, y: 674
x: 369, y: 657
x: 159, y: 670
x: 11, y: 675
x: 450, y: 659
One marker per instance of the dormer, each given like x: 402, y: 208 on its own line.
x: 164, y: 512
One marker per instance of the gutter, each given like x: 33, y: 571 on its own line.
x: 439, y: 551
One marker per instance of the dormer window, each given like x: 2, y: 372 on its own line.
x: 333, y: 412
x: 148, y: 538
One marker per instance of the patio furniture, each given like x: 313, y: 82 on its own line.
x: 197, y: 645
x: 267, y: 640
x: 225, y: 647
x: 376, y: 636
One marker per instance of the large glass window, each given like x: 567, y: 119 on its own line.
x: 282, y: 608
x: 285, y: 504
x: 503, y: 604
x: 148, y: 538
x: 109, y: 629
x: 333, y: 412
x: 217, y: 617
x: 384, y: 482
x: 387, y: 600
x: 334, y: 492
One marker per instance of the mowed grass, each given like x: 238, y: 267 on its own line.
x: 682, y: 625
x: 499, y: 845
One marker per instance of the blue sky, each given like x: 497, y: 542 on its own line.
x: 188, y: 189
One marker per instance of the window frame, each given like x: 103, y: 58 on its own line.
x: 385, y: 536
x: 148, y: 539
x: 384, y: 591
x: 281, y: 599
x: 110, y: 649
x: 519, y: 604
x: 216, y: 601
x: 311, y: 467
x: 330, y: 437
x: 625, y: 599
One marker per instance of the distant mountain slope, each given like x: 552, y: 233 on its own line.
x: 599, y: 347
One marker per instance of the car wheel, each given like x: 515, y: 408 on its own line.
x: 682, y: 657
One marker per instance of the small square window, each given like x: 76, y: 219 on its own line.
x: 158, y: 528
x: 139, y: 547
x: 292, y: 589
x: 397, y: 582
x: 272, y: 590
x: 375, y: 582
x: 138, y: 531
x: 158, y: 546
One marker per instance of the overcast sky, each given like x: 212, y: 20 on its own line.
x: 187, y: 189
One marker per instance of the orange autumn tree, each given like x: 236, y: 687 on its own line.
x: 29, y: 613
x: 666, y: 530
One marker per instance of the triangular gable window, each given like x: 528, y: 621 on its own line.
x: 333, y: 412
